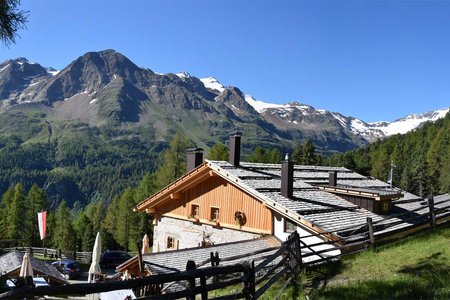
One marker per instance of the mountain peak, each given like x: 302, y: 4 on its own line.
x: 213, y: 84
x: 21, y: 60
x: 183, y: 75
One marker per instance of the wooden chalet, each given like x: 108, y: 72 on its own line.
x: 219, y: 202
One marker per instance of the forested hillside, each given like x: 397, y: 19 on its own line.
x: 421, y: 159
x: 72, y: 161
x: 70, y: 228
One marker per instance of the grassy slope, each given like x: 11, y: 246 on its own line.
x: 414, y: 268
x: 417, y: 267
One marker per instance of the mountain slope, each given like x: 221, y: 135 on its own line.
x: 100, y: 123
x: 107, y: 89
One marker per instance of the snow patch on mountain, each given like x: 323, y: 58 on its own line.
x: 260, y: 106
x: 213, y: 84
x: 183, y: 75
x: 409, y: 122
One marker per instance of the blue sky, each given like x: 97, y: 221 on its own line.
x: 374, y: 60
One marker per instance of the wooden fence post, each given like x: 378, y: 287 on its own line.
x: 249, y: 288
x: 431, y: 208
x: 203, y: 285
x: 295, y: 253
x: 215, y: 262
x: 298, y: 251
x: 370, y: 228
x: 190, y: 266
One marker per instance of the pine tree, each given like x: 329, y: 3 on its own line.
x: 11, y: 20
x: 173, y: 160
x: 85, y: 233
x: 37, y: 201
x: 297, y: 156
x: 64, y: 237
x: 218, y: 152
x: 309, y: 153
x: 109, y: 225
x: 258, y: 155
x: 145, y: 189
x: 127, y: 231
x: 273, y: 156
x: 18, y: 219
x: 5, y: 207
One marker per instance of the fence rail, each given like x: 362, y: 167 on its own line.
x: 84, y: 257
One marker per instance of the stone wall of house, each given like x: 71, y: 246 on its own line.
x: 188, y: 234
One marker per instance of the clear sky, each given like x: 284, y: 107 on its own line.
x: 374, y: 60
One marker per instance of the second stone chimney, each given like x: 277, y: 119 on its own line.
x: 332, y: 178
x: 194, y: 158
x: 287, y: 177
x: 235, y: 149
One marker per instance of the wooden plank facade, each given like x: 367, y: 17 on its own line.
x: 202, y: 201
x: 202, y: 195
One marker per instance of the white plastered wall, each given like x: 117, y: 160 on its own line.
x: 282, y: 235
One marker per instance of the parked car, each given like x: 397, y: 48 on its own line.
x: 113, y: 258
x: 68, y: 268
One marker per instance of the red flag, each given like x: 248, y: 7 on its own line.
x: 42, y: 221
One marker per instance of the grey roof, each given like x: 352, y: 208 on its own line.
x: 229, y: 253
x: 11, y: 262
x: 321, y: 208
x: 175, y: 261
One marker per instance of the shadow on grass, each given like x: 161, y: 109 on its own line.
x: 428, y: 279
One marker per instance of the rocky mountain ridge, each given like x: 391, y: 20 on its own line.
x: 106, y: 89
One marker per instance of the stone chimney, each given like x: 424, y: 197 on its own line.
x: 235, y: 149
x: 287, y: 177
x: 332, y: 178
x: 194, y: 158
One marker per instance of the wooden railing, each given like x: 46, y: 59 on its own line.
x: 84, y: 257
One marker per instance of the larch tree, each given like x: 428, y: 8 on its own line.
x: 5, y: 207
x: 64, y: 237
x: 11, y: 20
x: 37, y: 202
x: 309, y: 153
x: 258, y: 155
x: 18, y: 219
x: 297, y: 155
x: 126, y: 231
x: 173, y: 162
x: 218, y: 152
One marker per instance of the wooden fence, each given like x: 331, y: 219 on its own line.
x: 84, y: 257
x: 293, y: 256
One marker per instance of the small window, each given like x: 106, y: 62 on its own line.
x: 385, y: 206
x: 195, y: 210
x: 289, y: 226
x: 171, y: 242
x: 214, y: 214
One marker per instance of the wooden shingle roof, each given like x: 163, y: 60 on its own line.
x: 312, y: 204
x: 317, y: 206
x: 11, y: 262
x: 229, y: 253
